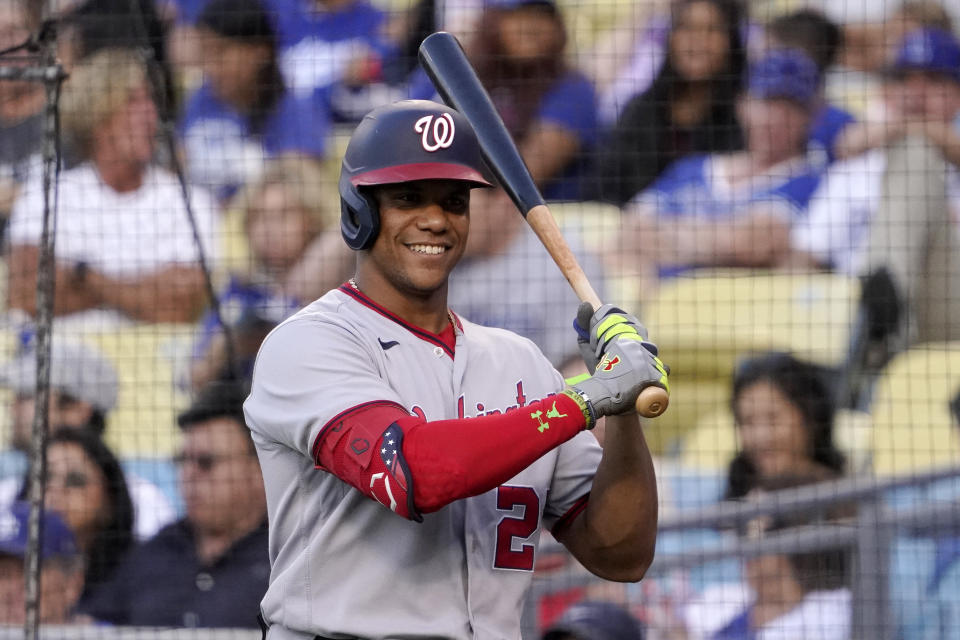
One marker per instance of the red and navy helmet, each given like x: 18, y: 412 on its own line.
x: 402, y: 142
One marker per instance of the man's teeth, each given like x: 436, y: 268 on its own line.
x: 428, y: 248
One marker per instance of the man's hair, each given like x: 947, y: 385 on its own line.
x: 96, y: 423
x: 219, y: 399
x: 810, y: 31
x: 98, y: 87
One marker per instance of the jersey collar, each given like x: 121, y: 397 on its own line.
x: 423, y: 334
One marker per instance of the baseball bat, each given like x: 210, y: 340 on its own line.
x: 457, y: 83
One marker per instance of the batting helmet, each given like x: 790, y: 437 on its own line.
x: 402, y: 142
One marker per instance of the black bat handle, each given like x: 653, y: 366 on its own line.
x: 457, y: 83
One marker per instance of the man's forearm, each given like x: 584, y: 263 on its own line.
x: 615, y: 537
x: 757, y: 241
x: 70, y: 295
x: 171, y: 295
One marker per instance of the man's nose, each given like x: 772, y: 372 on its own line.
x: 433, y: 217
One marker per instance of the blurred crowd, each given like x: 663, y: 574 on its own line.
x: 199, y: 152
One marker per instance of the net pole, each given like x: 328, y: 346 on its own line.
x: 52, y: 80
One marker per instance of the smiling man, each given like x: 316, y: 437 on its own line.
x: 411, y: 457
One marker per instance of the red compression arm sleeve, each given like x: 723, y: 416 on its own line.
x: 441, y: 461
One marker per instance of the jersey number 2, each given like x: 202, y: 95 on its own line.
x: 522, y: 526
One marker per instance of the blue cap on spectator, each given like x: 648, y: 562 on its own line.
x: 596, y: 620
x: 931, y: 50
x: 784, y: 73
x: 57, y: 539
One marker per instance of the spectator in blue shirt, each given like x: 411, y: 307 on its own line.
x: 550, y: 109
x: 814, y: 34
x: 209, y: 569
x: 336, y: 51
x: 244, y: 114
x: 735, y: 209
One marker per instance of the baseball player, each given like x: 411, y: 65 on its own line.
x: 410, y: 457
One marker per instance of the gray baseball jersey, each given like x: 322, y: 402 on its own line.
x: 344, y: 565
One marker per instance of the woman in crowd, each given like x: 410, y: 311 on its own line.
x: 125, y: 246
x: 784, y: 416
x: 86, y: 487
x: 284, y: 214
x: 244, y: 112
x: 690, y: 108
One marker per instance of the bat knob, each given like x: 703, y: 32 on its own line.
x: 652, y: 402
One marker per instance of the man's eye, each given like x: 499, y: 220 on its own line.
x: 457, y: 204
x: 407, y: 198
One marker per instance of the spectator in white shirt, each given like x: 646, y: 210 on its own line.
x: 123, y: 239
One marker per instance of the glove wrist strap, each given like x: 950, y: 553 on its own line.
x: 578, y: 396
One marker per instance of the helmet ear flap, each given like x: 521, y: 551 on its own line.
x: 359, y: 216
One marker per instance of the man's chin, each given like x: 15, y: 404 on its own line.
x: 423, y: 290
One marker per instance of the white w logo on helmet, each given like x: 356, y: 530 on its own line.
x: 442, y: 131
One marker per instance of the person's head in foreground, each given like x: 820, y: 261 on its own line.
x: 784, y: 415
x: 61, y: 567
x: 595, y: 620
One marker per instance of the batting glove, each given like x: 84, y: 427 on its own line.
x: 627, y: 368
x: 595, y: 329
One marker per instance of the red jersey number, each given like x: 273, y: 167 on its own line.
x: 522, y: 526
